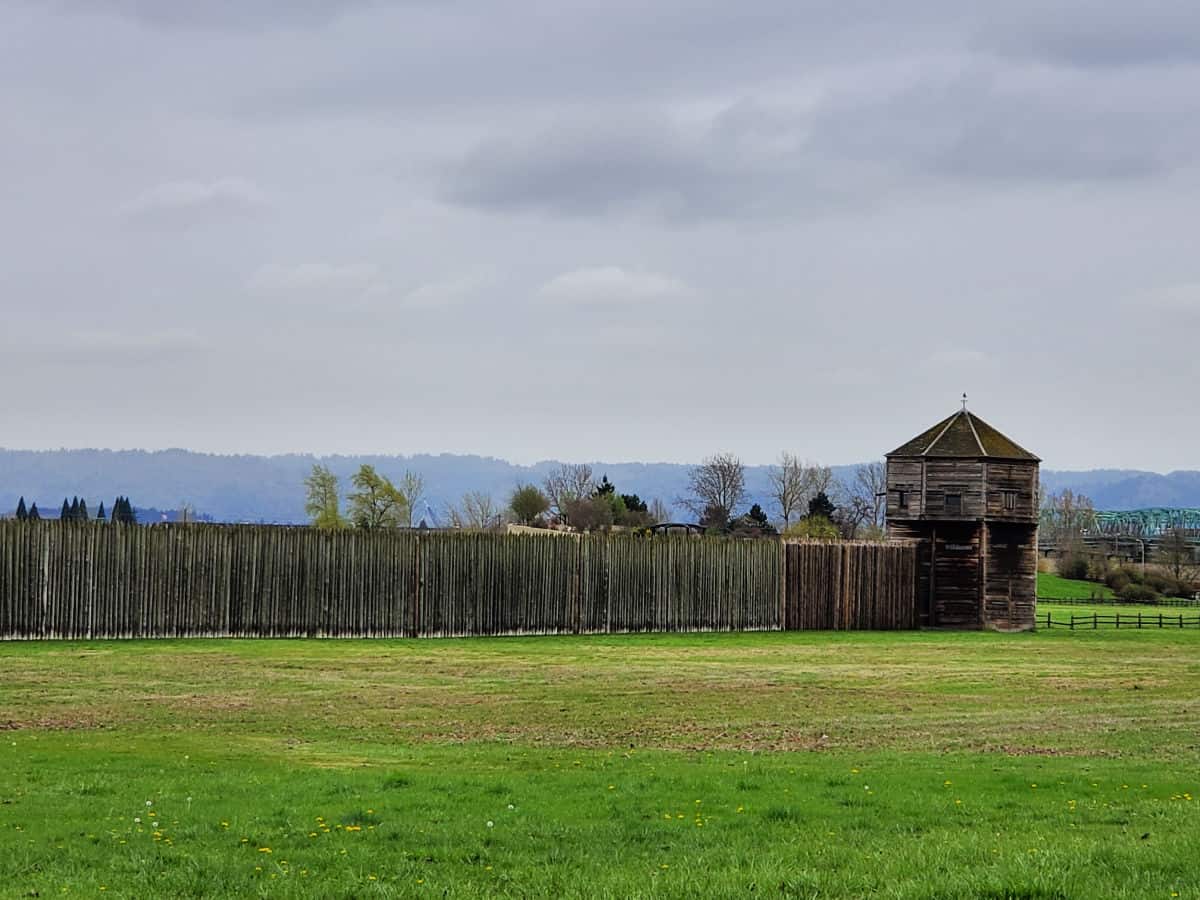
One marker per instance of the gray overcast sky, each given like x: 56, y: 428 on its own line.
x: 600, y: 228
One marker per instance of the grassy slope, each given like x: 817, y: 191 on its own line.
x: 1055, y: 587
x: 902, y: 765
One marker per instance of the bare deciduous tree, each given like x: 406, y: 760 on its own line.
x: 717, y: 487
x: 854, y: 510
x: 412, y: 488
x: 1177, y: 555
x: 788, y: 486
x: 659, y: 512
x: 567, y: 484
x: 476, y: 512
x: 1066, y: 516
x: 818, y: 479
x: 870, y: 490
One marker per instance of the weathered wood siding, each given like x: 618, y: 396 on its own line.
x: 1010, y: 600
x: 963, y: 477
x: 109, y: 581
x: 905, y: 476
x: 1020, y: 481
x: 956, y: 573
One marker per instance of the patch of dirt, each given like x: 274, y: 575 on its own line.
x: 53, y: 723
x: 1011, y: 750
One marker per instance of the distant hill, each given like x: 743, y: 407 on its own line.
x: 270, y: 489
x: 1129, y: 489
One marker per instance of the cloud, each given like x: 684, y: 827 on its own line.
x: 983, y: 122
x: 612, y: 285
x: 115, y: 348
x: 861, y: 142
x: 1097, y: 35
x: 1178, y: 298
x: 222, y: 14
x: 963, y: 357
x: 321, y: 279
x: 729, y: 165
x: 188, y: 203
x: 439, y: 294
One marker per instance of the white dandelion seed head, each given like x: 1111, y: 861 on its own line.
x: 491, y: 824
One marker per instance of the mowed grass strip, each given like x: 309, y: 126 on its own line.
x: 894, y: 765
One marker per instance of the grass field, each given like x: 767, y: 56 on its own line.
x: 1055, y: 587
x: 922, y: 765
x: 1064, y: 611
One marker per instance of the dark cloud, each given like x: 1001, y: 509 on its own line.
x: 1097, y: 34
x: 992, y: 123
x: 966, y: 123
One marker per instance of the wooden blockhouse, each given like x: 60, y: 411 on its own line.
x: 969, y: 496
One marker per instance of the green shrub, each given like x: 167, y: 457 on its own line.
x: 1118, y: 580
x: 1073, y: 565
x: 1178, y: 588
x: 1138, y: 593
x: 1159, y: 582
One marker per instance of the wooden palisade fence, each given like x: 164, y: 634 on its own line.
x: 113, y: 581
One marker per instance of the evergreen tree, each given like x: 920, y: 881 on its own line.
x: 122, y: 512
x: 634, y: 503
x: 83, y: 511
x: 22, y: 514
x: 65, y: 515
x: 100, y: 517
x: 605, y: 488
x: 34, y: 515
x: 821, y: 506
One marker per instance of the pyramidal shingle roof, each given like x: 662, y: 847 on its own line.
x: 963, y: 434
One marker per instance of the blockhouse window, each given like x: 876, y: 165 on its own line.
x: 1010, y: 500
x: 953, y: 503
x: 902, y: 502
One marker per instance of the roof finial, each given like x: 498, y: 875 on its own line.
x: 964, y: 401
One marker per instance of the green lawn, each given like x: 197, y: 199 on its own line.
x: 1063, y: 611
x: 923, y: 765
x: 1055, y: 587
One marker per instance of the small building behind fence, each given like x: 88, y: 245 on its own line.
x: 969, y: 496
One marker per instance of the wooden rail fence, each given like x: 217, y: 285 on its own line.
x: 86, y: 580
x: 1128, y: 620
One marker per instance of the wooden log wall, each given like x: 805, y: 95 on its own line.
x: 851, y: 586
x: 61, y: 580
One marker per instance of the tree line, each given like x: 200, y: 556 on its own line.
x: 806, y: 499
x: 76, y: 510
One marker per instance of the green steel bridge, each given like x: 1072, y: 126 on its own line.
x: 1148, y: 523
